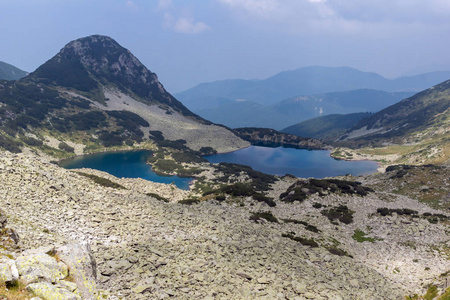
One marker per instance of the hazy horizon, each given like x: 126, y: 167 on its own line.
x: 189, y: 42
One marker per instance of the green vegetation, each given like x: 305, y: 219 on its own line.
x: 158, y: 197
x: 431, y: 217
x: 309, y: 227
x: 304, y: 241
x: 63, y: 146
x: 241, y: 189
x: 266, y: 215
x: 189, y: 201
x: 338, y: 251
x: 341, y: 213
x: 360, y: 237
x: 403, y: 211
x: 102, y: 181
x: 259, y: 181
x: 14, y: 291
x: 301, y: 189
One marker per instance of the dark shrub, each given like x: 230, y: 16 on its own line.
x: 189, y: 201
x: 102, y: 181
x: 262, y: 198
x: 63, y: 146
x: 304, y: 241
x: 157, y: 197
x: 317, y: 205
x: 266, y: 215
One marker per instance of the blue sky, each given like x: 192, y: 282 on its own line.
x: 189, y: 42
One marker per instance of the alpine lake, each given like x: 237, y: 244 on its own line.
x: 270, y: 160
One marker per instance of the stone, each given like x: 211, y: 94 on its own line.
x: 141, y: 288
x: 68, y: 285
x: 47, y: 291
x: 82, y: 267
x: 8, y: 270
x: 300, y: 288
x: 3, y: 219
x: 354, y: 282
x: 39, y: 267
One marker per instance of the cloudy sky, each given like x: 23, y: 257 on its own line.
x: 186, y: 42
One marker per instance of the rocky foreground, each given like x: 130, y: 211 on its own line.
x: 145, y: 248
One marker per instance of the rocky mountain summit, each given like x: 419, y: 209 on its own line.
x: 324, y: 239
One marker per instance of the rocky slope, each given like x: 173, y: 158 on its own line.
x: 146, y: 248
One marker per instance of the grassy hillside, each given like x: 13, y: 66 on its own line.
x: 326, y: 128
x: 417, y: 129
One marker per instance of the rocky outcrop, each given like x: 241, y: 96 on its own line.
x: 45, y: 271
x: 79, y: 259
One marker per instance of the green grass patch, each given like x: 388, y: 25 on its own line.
x: 360, y: 237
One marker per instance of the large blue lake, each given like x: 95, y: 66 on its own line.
x: 128, y: 164
x: 276, y: 161
x: 298, y: 162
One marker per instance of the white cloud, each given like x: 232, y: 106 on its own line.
x: 258, y: 7
x: 182, y: 24
x: 164, y: 4
x: 185, y: 25
x: 132, y: 6
x: 341, y: 16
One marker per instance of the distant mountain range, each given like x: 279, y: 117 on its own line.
x: 9, y: 72
x: 97, y: 94
x: 301, y: 82
x: 290, y: 111
x: 294, y: 96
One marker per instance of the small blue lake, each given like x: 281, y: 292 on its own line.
x: 128, y: 164
x: 298, y: 162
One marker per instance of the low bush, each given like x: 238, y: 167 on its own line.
x: 309, y: 227
x: 304, y: 241
x: 337, y: 251
x: 102, y: 181
x: 266, y: 215
x: 158, y: 197
x: 341, y: 213
x: 189, y: 201
x: 64, y: 147
x: 262, y: 198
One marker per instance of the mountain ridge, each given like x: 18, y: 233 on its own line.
x: 10, y: 72
x: 302, y: 81
x: 235, y: 114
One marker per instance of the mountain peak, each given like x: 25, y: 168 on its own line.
x: 103, y: 56
x: 87, y: 62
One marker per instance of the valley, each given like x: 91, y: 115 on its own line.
x: 237, y: 233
